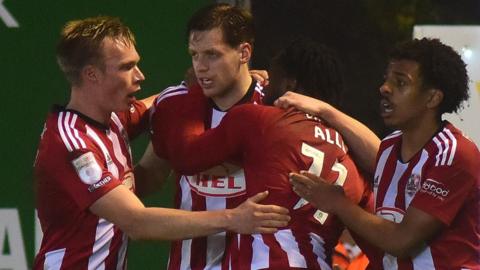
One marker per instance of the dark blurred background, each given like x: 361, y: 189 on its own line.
x: 360, y: 31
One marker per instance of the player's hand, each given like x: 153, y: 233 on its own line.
x: 315, y: 190
x: 307, y: 104
x: 260, y: 76
x: 251, y: 217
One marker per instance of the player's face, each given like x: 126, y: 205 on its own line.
x: 216, y: 64
x: 278, y: 84
x: 403, y: 101
x: 120, y: 78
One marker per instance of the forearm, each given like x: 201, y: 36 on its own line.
x: 121, y: 207
x: 363, y: 143
x: 390, y: 237
x: 173, y: 224
x: 359, y: 138
x: 196, y: 153
x: 402, y: 239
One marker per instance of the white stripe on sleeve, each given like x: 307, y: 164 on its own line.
x: 447, y: 147
x: 68, y: 131
x: 454, y: 145
x: 75, y: 131
x: 62, y: 132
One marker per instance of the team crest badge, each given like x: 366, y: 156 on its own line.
x: 413, y: 184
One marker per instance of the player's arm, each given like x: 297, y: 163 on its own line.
x: 361, y: 140
x: 136, y: 119
x: 123, y: 208
x: 196, y: 152
x: 151, y: 172
x: 153, y: 169
x: 399, y: 239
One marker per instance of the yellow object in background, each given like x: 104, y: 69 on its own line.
x: 478, y: 86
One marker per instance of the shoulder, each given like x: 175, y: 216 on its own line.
x: 64, y: 136
x: 65, y: 130
x: 451, y: 148
x: 174, y: 96
x: 390, y: 139
x: 252, y: 112
x: 171, y: 91
x: 178, y: 93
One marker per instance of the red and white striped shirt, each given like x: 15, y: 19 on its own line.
x: 269, y: 143
x: 443, y: 180
x: 78, y: 161
x: 203, y: 252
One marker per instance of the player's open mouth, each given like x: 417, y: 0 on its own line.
x: 385, y: 107
x: 205, y: 82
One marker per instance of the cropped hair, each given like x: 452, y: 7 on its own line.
x: 235, y: 23
x: 441, y: 67
x: 80, y: 43
x: 316, y: 69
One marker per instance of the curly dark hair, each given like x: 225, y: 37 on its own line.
x: 441, y: 67
x: 236, y: 23
x: 316, y: 69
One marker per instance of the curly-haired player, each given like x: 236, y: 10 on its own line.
x: 426, y: 181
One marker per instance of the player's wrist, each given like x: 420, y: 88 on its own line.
x: 340, y: 201
x: 229, y: 221
x: 326, y: 111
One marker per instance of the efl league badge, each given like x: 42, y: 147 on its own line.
x: 413, y: 184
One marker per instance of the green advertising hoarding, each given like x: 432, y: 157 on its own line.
x: 30, y: 82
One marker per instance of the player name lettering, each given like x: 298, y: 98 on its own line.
x: 330, y: 136
x: 7, y: 17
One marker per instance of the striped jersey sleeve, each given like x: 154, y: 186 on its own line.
x: 78, y: 162
x: 167, y: 115
x: 452, y: 176
x: 83, y: 165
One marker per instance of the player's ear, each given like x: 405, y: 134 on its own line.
x: 435, y: 98
x: 245, y: 52
x: 90, y: 73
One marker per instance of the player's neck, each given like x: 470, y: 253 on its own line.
x: 86, y: 103
x: 238, y: 90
